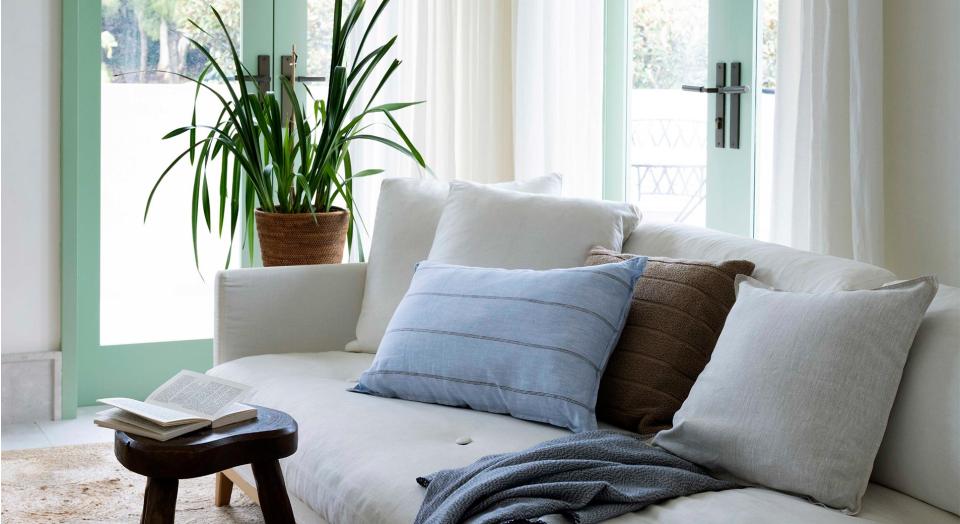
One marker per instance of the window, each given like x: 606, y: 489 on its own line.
x: 150, y: 291
x: 667, y: 142
x: 666, y: 156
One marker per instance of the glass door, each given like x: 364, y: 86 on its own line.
x: 667, y: 148
x: 136, y: 306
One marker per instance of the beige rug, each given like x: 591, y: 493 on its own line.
x: 87, y: 484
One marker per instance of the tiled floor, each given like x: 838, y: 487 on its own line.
x: 80, y: 430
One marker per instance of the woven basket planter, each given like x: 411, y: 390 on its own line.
x: 297, y: 239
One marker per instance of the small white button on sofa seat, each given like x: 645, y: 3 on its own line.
x: 282, y: 330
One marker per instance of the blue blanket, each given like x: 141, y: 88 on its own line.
x: 588, y: 477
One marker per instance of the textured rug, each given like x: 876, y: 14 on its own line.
x: 87, y: 484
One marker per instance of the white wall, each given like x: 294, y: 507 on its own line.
x: 30, y: 171
x: 922, y: 137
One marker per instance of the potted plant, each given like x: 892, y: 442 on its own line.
x: 292, y: 177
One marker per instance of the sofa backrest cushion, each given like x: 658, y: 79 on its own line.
x: 920, y: 454
x: 778, y: 266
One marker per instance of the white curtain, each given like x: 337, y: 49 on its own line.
x: 828, y: 139
x: 558, y: 92
x: 456, y: 56
x: 513, y: 90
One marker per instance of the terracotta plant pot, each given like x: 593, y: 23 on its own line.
x: 297, y: 239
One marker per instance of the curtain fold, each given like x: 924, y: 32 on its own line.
x: 558, y: 92
x: 513, y: 90
x: 828, y: 129
x: 456, y: 56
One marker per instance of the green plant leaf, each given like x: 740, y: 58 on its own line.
x: 193, y: 117
x: 403, y: 136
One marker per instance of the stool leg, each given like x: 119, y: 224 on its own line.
x: 223, y: 490
x: 272, y: 492
x: 159, y: 501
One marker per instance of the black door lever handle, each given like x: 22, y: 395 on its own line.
x: 699, y: 89
x: 722, y: 89
x: 732, y: 90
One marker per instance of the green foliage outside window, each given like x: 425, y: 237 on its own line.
x: 669, y: 43
x: 148, y: 36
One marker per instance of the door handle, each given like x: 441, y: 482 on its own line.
x: 262, y: 78
x: 288, y: 69
x: 306, y: 79
x: 728, y: 90
x: 735, y: 89
x: 699, y: 89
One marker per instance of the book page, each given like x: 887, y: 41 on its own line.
x: 234, y: 414
x: 121, y: 420
x: 158, y: 414
x: 198, y: 394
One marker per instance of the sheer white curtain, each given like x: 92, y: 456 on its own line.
x: 558, y: 92
x: 828, y: 140
x: 457, y: 57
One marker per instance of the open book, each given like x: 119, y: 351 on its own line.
x: 185, y: 403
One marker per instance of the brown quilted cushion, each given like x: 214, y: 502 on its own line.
x: 678, y: 310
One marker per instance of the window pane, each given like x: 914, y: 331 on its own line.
x: 319, y: 34
x: 150, y: 289
x: 666, y: 167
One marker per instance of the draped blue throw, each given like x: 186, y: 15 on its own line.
x: 532, y: 344
x: 588, y: 477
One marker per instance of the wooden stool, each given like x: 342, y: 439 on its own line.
x: 260, y: 442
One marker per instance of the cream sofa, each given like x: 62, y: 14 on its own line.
x: 282, y: 330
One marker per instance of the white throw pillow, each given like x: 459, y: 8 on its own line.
x: 488, y: 227
x: 798, y: 390
x: 407, y: 215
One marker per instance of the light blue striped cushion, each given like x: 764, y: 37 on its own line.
x: 529, y: 343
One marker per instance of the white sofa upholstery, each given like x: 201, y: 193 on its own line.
x: 282, y: 331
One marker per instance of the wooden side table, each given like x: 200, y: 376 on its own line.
x: 260, y: 442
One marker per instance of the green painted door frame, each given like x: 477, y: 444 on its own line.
x: 616, y: 108
x: 732, y: 38
x: 91, y: 370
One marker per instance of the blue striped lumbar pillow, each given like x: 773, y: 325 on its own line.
x: 532, y: 344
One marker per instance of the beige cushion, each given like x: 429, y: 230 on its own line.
x: 358, y: 455
x: 799, y: 388
x: 489, y: 227
x: 407, y: 214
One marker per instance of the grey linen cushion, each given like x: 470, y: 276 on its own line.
x: 798, y: 390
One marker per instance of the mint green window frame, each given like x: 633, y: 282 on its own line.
x: 91, y: 370
x: 730, y: 172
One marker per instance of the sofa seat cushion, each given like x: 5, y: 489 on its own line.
x: 358, y: 455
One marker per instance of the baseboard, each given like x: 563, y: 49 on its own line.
x: 30, y: 386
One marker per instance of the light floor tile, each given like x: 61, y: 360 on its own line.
x: 80, y: 430
x: 22, y: 436
x: 44, y: 433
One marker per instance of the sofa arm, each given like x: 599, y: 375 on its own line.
x: 287, y: 309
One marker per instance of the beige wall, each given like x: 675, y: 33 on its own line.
x: 922, y: 137
x: 30, y: 175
